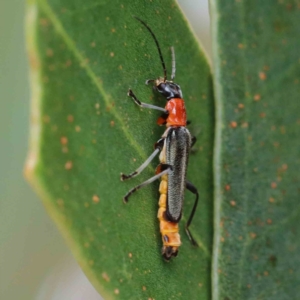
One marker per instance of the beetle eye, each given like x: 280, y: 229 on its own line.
x: 161, y: 87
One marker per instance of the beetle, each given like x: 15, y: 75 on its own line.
x: 174, y: 147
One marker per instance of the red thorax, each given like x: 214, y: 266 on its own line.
x: 177, y: 113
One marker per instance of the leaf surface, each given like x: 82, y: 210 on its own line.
x: 85, y: 131
x: 257, y: 158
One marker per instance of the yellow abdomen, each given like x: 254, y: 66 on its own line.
x: 169, y: 230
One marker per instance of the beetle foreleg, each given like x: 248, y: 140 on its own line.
x: 166, y: 171
x: 194, y: 190
x: 145, y: 105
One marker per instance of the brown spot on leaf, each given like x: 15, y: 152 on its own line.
x: 233, y: 124
x: 68, y: 165
x: 262, y: 114
x: 116, y: 291
x: 222, y: 223
x: 95, y: 199
x: 64, y: 140
x: 262, y: 76
x: 257, y: 97
x: 105, y: 277
x: 271, y: 200
x: 273, y: 185
x: 70, y: 118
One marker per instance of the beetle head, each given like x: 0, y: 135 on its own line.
x: 167, y: 88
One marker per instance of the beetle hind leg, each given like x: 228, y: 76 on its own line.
x: 133, y: 190
x: 194, y: 190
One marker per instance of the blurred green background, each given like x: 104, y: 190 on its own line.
x: 29, y: 242
x: 34, y: 261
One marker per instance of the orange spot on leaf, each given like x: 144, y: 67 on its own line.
x: 262, y: 75
x: 68, y: 165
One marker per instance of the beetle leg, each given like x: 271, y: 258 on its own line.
x: 194, y: 190
x: 158, y: 147
x: 194, y: 140
x: 166, y: 171
x: 141, y: 168
x: 145, y: 105
x: 149, y: 80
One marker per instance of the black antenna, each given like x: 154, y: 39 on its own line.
x: 157, y: 45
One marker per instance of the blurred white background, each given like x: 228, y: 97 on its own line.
x: 34, y: 260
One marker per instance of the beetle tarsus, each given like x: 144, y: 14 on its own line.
x: 149, y: 80
x: 124, y: 177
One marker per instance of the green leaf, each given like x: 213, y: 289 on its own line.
x: 257, y: 161
x: 85, y: 131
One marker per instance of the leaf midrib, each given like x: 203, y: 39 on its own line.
x: 70, y: 43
